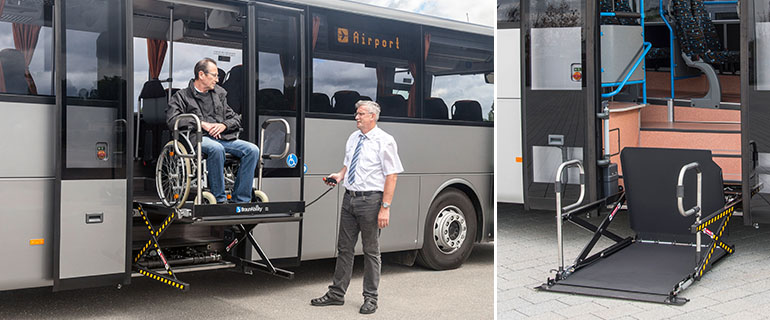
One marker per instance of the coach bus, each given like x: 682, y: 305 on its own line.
x: 582, y: 80
x: 84, y: 86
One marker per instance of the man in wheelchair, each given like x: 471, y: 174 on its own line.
x: 221, y: 126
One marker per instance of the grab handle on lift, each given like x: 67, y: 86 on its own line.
x: 559, y: 209
x: 698, y: 207
x: 286, y: 140
x: 198, y: 140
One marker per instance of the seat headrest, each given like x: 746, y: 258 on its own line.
x: 152, y: 89
x: 14, y: 71
x: 345, y: 101
x: 393, y: 105
x: 469, y: 110
x: 435, y: 108
x: 272, y: 99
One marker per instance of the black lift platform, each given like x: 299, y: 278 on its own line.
x: 662, y: 259
x: 243, y: 216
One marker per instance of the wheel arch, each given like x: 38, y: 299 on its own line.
x: 469, y: 190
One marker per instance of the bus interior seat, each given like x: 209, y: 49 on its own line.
x: 696, y: 53
x: 469, y: 110
x: 220, y: 76
x: 365, y: 98
x: 345, y: 101
x: 271, y: 99
x: 731, y: 58
x: 320, y: 102
x: 393, y: 105
x: 154, y: 104
x: 13, y: 71
x: 435, y: 108
x: 234, y: 87
x: 618, y: 6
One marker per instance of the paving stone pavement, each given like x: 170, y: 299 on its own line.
x: 738, y: 287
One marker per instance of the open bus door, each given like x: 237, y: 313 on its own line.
x: 755, y: 92
x: 92, y: 189
x: 560, y: 96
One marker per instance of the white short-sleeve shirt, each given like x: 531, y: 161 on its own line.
x: 378, y: 158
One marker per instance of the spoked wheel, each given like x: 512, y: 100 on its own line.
x: 172, y: 176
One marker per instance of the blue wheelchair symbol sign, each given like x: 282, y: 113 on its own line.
x: 291, y: 160
x: 305, y: 168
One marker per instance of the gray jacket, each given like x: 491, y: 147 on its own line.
x: 189, y: 100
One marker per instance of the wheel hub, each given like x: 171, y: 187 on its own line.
x: 449, y: 229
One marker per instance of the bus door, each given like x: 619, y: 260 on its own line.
x: 280, y: 94
x: 92, y: 191
x: 559, y: 97
x: 755, y: 92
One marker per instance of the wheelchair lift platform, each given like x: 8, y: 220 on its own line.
x: 667, y: 253
x: 244, y: 217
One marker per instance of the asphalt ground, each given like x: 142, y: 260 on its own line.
x: 405, y: 293
x: 738, y: 287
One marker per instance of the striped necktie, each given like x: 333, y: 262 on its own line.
x: 354, y: 162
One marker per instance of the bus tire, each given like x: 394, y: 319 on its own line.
x: 450, y: 230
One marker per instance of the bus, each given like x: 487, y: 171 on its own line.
x: 84, y: 116
x: 583, y: 80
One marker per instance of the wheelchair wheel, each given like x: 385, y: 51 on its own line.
x: 208, y: 198
x: 259, y: 196
x: 172, y: 176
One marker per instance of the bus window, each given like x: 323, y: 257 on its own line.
x: 279, y: 77
x: 357, y: 58
x: 26, y: 48
x: 508, y: 14
x: 456, y: 70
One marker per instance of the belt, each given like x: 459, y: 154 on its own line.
x: 362, y: 193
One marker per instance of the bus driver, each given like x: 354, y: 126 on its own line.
x: 221, y: 126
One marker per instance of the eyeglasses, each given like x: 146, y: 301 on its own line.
x: 213, y: 74
x: 361, y: 113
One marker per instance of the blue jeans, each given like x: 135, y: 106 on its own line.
x: 215, y: 162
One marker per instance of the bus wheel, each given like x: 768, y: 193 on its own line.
x: 450, y: 230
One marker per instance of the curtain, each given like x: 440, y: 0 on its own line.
x: 383, y: 74
x: 289, y: 63
x: 25, y: 40
x: 413, y: 70
x: 156, y: 53
x: 2, y: 75
x: 316, y: 27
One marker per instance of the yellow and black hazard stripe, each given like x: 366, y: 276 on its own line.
x: 706, y: 223
x: 714, y: 246
x: 164, y: 279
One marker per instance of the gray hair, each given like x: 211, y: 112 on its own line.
x: 372, y: 106
x: 203, y: 65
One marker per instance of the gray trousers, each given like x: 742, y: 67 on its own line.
x: 358, y: 214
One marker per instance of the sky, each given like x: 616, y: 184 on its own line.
x: 478, y: 11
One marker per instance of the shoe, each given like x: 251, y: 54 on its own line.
x: 369, y: 306
x: 326, y: 300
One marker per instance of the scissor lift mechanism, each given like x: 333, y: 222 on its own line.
x: 244, y: 216
x: 635, y: 268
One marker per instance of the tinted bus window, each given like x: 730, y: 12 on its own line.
x: 279, y: 77
x: 26, y: 48
x: 457, y: 72
x: 508, y: 14
x: 362, y: 58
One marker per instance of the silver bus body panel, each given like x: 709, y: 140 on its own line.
x: 29, y: 143
x: 27, y: 214
x: 90, y: 249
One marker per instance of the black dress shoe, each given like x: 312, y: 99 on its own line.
x: 369, y: 306
x: 326, y: 300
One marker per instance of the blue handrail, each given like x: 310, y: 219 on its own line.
x: 607, y: 14
x: 670, y: 45
x: 647, y: 46
x: 720, y: 2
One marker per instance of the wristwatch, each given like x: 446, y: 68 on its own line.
x: 385, y: 205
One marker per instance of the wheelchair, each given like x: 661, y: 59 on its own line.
x: 178, y: 171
